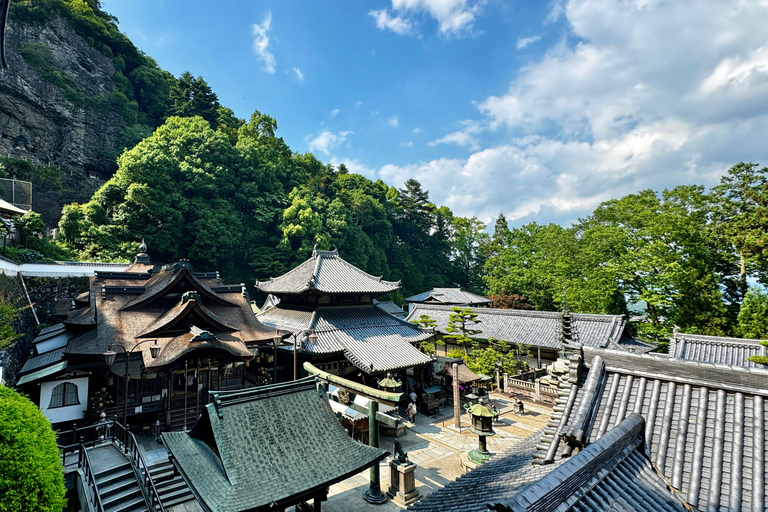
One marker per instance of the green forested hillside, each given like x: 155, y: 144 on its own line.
x: 197, y: 182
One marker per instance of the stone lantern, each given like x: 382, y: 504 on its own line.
x: 482, y: 425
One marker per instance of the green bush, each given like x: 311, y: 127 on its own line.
x: 31, y: 476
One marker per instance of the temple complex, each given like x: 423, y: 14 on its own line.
x: 327, y: 306
x: 184, y: 333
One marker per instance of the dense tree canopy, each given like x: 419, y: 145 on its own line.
x: 31, y: 477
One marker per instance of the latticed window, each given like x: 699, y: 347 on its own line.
x: 63, y: 395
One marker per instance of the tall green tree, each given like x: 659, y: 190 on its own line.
x: 461, y: 326
x: 192, y: 96
x: 753, y: 315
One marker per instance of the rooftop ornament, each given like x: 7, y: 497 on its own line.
x: 389, y: 384
x: 482, y: 425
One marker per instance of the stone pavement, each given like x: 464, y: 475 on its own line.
x: 436, y: 449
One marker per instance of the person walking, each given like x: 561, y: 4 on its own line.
x: 412, y: 412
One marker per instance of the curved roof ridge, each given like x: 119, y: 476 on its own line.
x: 166, y: 279
x: 177, y: 312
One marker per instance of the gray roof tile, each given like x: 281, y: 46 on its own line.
x: 248, y: 450
x: 43, y: 360
x: 326, y: 272
x: 701, y: 423
x: 613, y: 473
x: 449, y: 296
x: 715, y: 349
x: 365, y: 334
x: 534, y: 328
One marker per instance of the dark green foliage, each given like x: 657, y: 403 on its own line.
x: 461, y: 325
x: 8, y: 315
x: 192, y: 96
x: 753, y: 315
x: 31, y: 476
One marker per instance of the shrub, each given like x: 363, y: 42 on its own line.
x: 31, y: 476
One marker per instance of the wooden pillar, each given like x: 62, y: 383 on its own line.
x: 218, y: 376
x: 197, y: 388
x: 186, y: 388
x: 208, y: 385
x: 538, y: 357
x: 456, y: 397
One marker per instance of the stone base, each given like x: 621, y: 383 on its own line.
x: 398, y: 431
x: 402, y: 487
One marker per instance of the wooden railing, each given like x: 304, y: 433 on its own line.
x: 84, y: 463
x: 131, y: 448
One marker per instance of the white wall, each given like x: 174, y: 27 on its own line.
x: 60, y: 269
x: 73, y: 412
x: 53, y: 343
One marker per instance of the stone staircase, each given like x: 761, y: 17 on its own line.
x: 171, y: 487
x: 119, y: 489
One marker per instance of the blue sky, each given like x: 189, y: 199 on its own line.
x: 540, y: 110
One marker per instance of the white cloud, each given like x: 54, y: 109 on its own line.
x: 299, y: 74
x: 408, y: 144
x: 261, y: 43
x: 453, y: 16
x: 612, y: 109
x: 358, y: 103
x: 467, y: 136
x: 393, y: 121
x: 354, y: 166
x: 326, y: 140
x: 525, y: 41
x: 334, y: 112
x: 396, y: 24
x: 417, y: 130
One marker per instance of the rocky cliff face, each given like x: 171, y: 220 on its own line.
x: 40, y: 122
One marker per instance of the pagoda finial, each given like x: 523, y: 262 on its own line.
x: 568, y: 336
x: 142, y: 257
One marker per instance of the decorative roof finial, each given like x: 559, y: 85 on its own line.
x: 142, y: 257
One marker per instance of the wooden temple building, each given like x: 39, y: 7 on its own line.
x: 250, y: 451
x: 186, y: 334
x: 327, y: 305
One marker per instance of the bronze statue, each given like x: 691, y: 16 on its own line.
x: 399, y: 454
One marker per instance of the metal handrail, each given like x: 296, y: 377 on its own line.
x: 131, y: 446
x: 99, y: 433
x: 85, y: 463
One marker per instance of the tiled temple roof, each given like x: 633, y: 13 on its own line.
x: 249, y: 451
x: 390, y: 307
x: 715, y: 349
x: 326, y: 272
x: 168, y: 306
x: 499, y: 479
x: 534, y: 328
x: 450, y: 296
x: 705, y: 423
x: 371, y: 339
x: 613, y: 473
x: 43, y: 360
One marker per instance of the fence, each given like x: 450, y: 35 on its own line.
x: 532, y: 390
x: 16, y: 192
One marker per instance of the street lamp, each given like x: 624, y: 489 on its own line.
x: 277, y: 339
x: 109, y: 358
